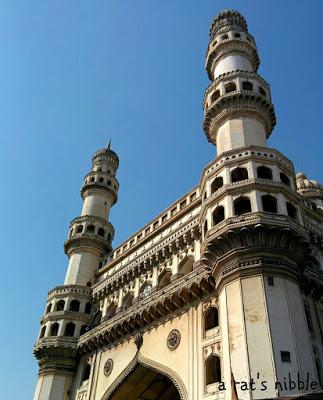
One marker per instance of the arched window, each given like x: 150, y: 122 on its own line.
x: 291, y: 210
x: 247, y: 86
x: 218, y: 215
x: 60, y: 305
x: 69, y: 329
x: 262, y: 91
x: 79, y: 229
x: 264, y: 173
x: 88, y: 308
x: 211, y: 318
x: 215, y: 96
x: 127, y: 301
x: 145, y: 290
x: 239, y: 174
x: 164, y: 279
x: 48, y: 308
x: 237, y: 35
x: 230, y: 87
x: 90, y: 229
x: 75, y: 305
x: 224, y: 37
x: 284, y: 178
x: 212, y: 369
x: 185, y: 266
x: 101, y: 180
x: 54, y: 329
x: 216, y: 184
x: 101, y: 232
x: 42, y: 332
x: 111, y: 310
x: 84, y: 329
x: 269, y: 203
x: 242, y: 205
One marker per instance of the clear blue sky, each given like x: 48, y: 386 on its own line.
x: 73, y: 74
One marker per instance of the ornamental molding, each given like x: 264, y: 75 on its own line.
x: 272, y: 238
x: 238, y: 104
x: 99, y: 188
x: 139, y: 359
x: 56, y: 347
x: 170, y: 244
x: 67, y: 290
x: 88, y: 241
x: 147, y: 313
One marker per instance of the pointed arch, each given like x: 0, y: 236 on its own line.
x: 140, y: 360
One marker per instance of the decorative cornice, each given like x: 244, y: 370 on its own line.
x: 99, y: 188
x: 238, y: 104
x: 93, y: 242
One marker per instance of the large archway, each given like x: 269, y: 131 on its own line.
x: 144, y: 383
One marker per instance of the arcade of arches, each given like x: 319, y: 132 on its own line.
x: 146, y: 384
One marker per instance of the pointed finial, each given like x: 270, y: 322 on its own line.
x: 109, y: 145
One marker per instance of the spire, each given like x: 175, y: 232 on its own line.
x: 109, y: 145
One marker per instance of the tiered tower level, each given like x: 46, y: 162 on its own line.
x: 225, y: 285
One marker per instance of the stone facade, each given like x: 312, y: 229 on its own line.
x: 223, y: 286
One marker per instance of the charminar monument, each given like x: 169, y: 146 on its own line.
x: 218, y: 297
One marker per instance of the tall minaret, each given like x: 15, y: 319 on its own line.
x: 237, y: 105
x: 69, y: 311
x: 254, y: 240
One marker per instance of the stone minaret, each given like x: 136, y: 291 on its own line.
x: 254, y: 238
x: 69, y: 312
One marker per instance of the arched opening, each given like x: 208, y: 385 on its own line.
x: 247, y: 86
x: 144, y: 383
x: 218, y: 215
x: 127, y: 301
x: 211, y: 318
x: 101, y: 232
x: 224, y: 37
x: 90, y: 229
x: 242, y: 205
x: 237, y: 35
x: 145, y: 290
x: 60, y: 305
x: 216, y: 184
x: 79, y: 229
x: 230, y: 87
x: 264, y: 173
x: 212, y: 369
x: 48, y: 308
x: 101, y: 180
x: 185, y: 266
x: 54, y: 329
x: 111, y: 310
x: 88, y: 308
x: 239, y: 174
x: 84, y: 329
x: 75, y: 305
x: 284, y: 178
x: 291, y: 210
x: 42, y: 332
x: 215, y: 96
x: 269, y: 203
x: 164, y: 279
x: 69, y: 329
